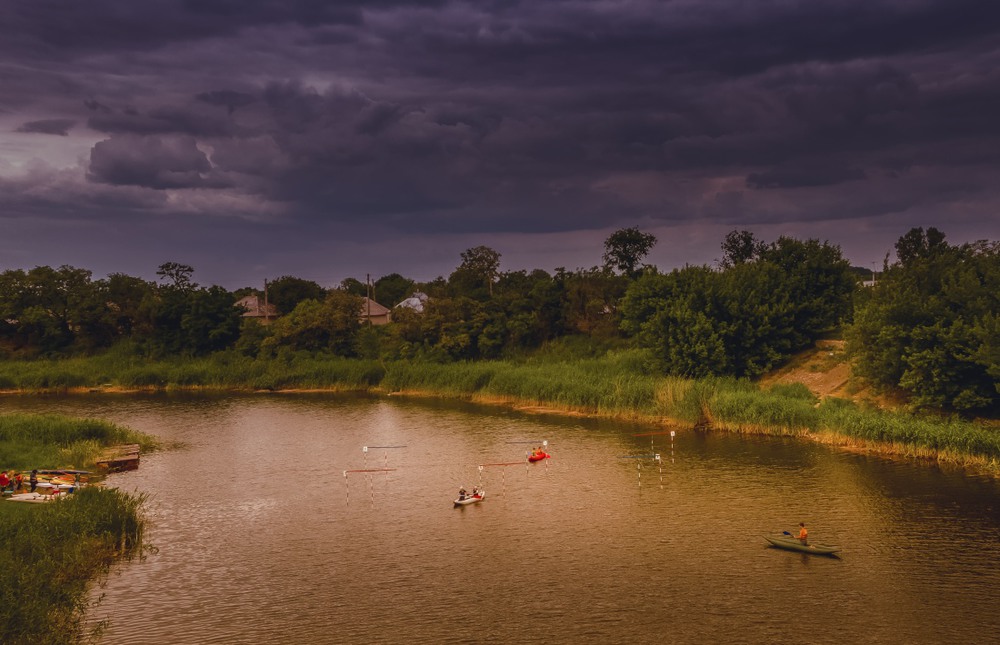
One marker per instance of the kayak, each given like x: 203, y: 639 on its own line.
x: 66, y: 488
x: 471, y: 499
x: 794, y: 544
x: 34, y: 498
x: 540, y: 456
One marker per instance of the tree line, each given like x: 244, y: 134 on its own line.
x: 928, y: 328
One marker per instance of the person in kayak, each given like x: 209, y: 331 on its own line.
x: 803, y: 534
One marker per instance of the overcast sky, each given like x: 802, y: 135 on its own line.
x: 325, y: 140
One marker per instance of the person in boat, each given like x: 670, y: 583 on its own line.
x: 475, y: 491
x: 461, y: 493
x: 33, y: 480
x: 803, y: 534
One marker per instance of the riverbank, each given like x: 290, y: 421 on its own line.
x: 50, y: 553
x: 616, y: 385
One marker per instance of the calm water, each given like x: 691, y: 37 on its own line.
x: 262, y: 537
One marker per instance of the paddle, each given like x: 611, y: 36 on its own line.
x: 794, y: 536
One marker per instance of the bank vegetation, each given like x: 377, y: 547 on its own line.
x: 52, y: 553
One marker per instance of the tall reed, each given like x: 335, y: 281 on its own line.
x: 50, y: 552
x: 615, y: 383
x: 51, y: 441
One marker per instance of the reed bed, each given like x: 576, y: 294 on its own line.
x: 49, y: 553
x: 51, y: 441
x: 926, y: 436
x: 616, y: 383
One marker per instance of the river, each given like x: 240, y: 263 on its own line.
x: 264, y: 535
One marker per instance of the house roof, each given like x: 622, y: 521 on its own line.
x: 254, y: 308
x: 414, y: 302
x: 372, y: 308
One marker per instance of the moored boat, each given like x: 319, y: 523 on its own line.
x: 36, y: 498
x: 794, y: 544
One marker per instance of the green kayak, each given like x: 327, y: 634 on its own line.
x: 794, y: 544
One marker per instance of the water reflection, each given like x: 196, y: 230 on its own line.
x: 261, y: 539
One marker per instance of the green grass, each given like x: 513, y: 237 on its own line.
x: 50, y: 441
x: 596, y: 380
x: 50, y: 552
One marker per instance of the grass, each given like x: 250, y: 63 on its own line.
x: 50, y: 441
x: 615, y: 383
x: 49, y: 553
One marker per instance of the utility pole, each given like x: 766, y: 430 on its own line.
x: 267, y: 310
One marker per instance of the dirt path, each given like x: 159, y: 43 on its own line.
x: 823, y: 369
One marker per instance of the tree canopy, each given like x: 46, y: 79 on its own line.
x: 625, y: 249
x: 929, y: 327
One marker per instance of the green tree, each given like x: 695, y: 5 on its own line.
x: 50, y: 311
x: 740, y: 247
x: 211, y: 321
x: 928, y: 328
x: 744, y: 320
x: 179, y: 275
x: 354, y: 286
x: 189, y: 320
x: 625, y: 249
x: 286, y: 292
x: 917, y: 244
x: 392, y: 289
x: 817, y: 282
x: 475, y: 276
x: 124, y: 297
x: 329, y: 326
x: 590, y: 300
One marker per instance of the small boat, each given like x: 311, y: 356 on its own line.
x: 35, y: 498
x: 794, y: 544
x: 538, y: 456
x: 470, y: 499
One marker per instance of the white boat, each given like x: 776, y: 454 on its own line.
x: 63, y: 487
x: 470, y: 499
x: 36, y: 498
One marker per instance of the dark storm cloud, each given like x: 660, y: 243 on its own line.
x: 60, y: 28
x: 48, y: 126
x: 817, y: 173
x: 151, y: 162
x: 229, y: 99
x: 512, y: 116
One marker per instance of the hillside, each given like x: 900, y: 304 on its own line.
x: 823, y: 369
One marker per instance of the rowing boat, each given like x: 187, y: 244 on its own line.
x: 794, y: 544
x: 471, y: 499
